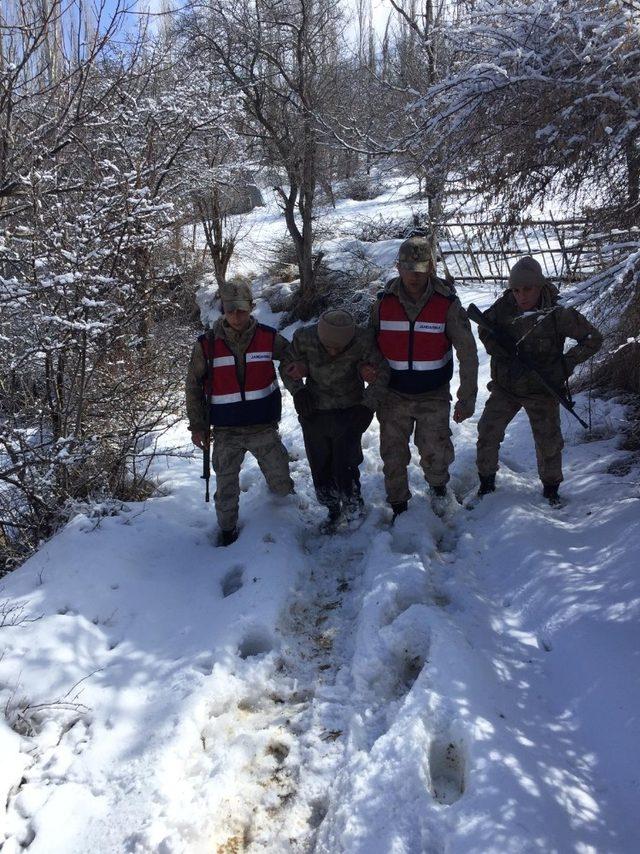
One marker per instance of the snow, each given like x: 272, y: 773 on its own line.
x: 462, y: 684
x: 264, y: 227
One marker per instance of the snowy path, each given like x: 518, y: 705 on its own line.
x: 466, y: 685
x: 296, y: 724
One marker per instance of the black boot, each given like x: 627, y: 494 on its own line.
x: 439, y: 499
x: 550, y: 492
x: 225, y: 538
x: 331, y: 522
x: 398, y: 507
x: 487, y: 484
x: 354, y: 508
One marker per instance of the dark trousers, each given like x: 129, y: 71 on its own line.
x: 334, y: 451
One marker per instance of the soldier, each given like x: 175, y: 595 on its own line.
x: 417, y: 319
x: 232, y: 366
x: 334, y: 407
x: 528, y: 312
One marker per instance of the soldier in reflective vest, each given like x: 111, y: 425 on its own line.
x: 232, y: 371
x: 419, y: 321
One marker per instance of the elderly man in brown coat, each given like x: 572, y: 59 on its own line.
x: 335, y: 357
x: 419, y: 321
x: 529, y: 314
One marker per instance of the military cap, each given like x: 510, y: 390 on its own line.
x: 236, y: 296
x: 417, y: 254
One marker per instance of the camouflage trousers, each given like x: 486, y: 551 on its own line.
x: 398, y: 416
x: 544, y: 417
x: 230, y: 444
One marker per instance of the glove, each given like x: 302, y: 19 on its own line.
x: 361, y: 417
x: 303, y: 403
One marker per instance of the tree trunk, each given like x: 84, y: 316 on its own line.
x: 633, y: 180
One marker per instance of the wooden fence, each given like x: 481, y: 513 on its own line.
x: 568, y: 250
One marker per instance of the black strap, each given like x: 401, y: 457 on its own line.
x: 563, y: 362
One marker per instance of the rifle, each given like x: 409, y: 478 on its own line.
x: 206, y: 443
x: 508, y: 344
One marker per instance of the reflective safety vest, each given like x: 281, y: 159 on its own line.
x: 418, y: 351
x: 258, y: 399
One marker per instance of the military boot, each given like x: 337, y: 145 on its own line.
x: 331, y: 522
x: 439, y: 499
x: 398, y: 507
x: 354, y: 509
x: 487, y: 484
x: 225, y: 538
x: 550, y: 492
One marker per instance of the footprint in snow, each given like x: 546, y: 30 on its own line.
x: 447, y: 541
x: 440, y: 598
x: 405, y: 543
x: 410, y: 669
x: 447, y: 771
x: 204, y: 665
x: 232, y: 581
x: 256, y: 642
x: 544, y: 642
x: 279, y: 751
x: 319, y: 809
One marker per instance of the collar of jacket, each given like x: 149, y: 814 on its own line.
x: 412, y: 308
x: 237, y: 342
x: 548, y: 298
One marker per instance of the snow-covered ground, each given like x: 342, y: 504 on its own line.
x: 465, y: 684
x: 264, y: 227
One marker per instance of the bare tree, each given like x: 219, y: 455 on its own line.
x: 280, y: 55
x: 98, y: 155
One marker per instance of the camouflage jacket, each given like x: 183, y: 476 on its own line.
x: 457, y: 330
x: 334, y: 381
x: 237, y: 342
x: 540, y: 336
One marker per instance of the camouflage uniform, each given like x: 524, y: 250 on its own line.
x: 428, y: 412
x: 230, y: 444
x: 541, y: 336
x: 333, y: 430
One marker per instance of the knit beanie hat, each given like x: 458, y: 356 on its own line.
x: 526, y: 271
x: 336, y: 328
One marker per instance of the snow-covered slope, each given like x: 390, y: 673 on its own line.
x: 466, y: 684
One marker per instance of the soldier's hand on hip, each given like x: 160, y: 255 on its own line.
x: 296, y: 370
x: 369, y: 373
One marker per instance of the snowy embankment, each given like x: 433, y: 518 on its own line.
x: 466, y: 684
